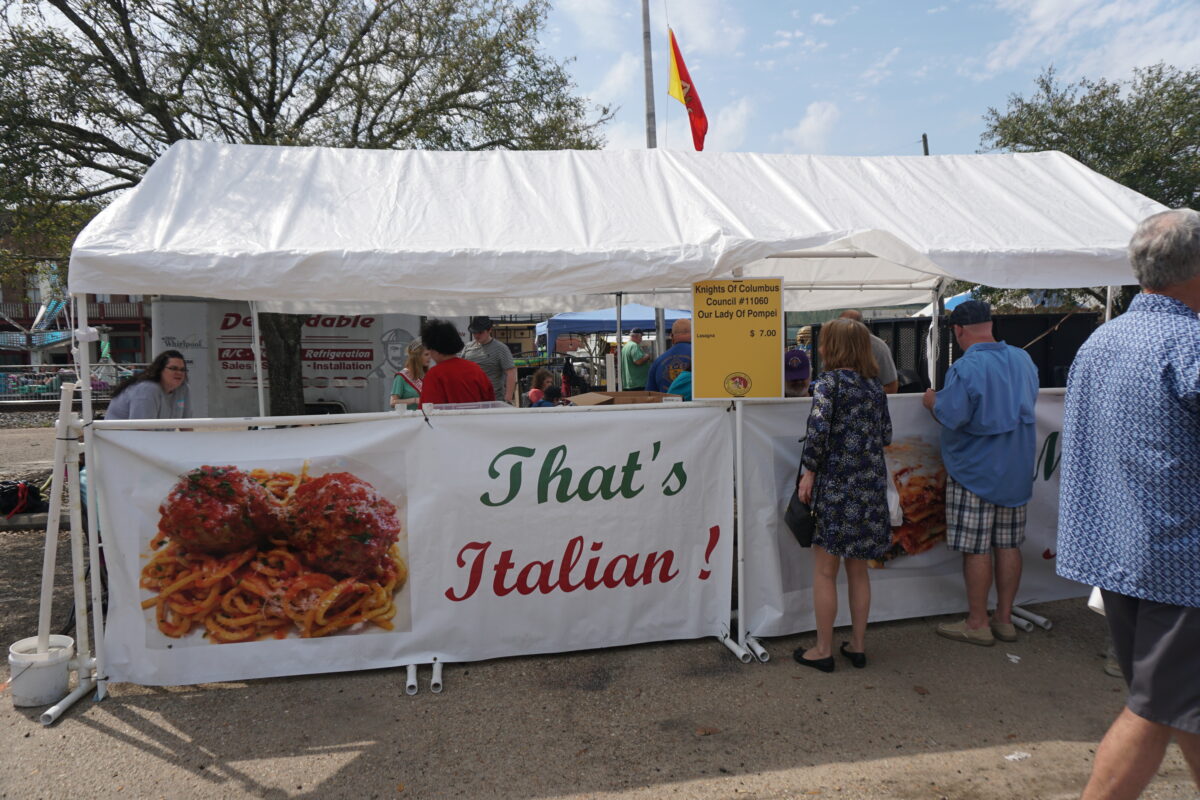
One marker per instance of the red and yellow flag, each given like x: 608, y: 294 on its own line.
x: 683, y: 90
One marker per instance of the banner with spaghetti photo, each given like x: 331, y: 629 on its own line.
x: 243, y: 554
x: 918, y: 576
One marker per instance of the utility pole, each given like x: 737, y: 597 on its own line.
x: 925, y: 143
x: 651, y: 135
x: 660, y: 322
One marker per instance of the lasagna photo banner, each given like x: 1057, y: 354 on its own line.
x: 918, y: 576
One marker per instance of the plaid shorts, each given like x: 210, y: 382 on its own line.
x: 973, y: 525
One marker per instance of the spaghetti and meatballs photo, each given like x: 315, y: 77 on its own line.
x: 217, y: 510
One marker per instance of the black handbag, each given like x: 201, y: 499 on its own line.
x: 801, y: 517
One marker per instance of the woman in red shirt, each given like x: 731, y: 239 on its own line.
x: 451, y: 379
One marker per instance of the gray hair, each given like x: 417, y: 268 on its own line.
x: 1165, y: 249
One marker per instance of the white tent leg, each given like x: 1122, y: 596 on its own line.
x: 739, y: 538
x: 256, y: 349
x: 935, y: 339
x: 83, y: 360
x: 620, y: 375
x: 1108, y: 302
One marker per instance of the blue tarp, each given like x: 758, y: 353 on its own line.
x: 633, y: 316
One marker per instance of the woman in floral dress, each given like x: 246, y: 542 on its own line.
x: 848, y: 427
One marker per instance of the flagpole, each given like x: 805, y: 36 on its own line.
x: 651, y: 135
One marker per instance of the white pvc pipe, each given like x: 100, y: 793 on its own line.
x: 435, y: 681
x: 1036, y: 619
x: 1022, y: 623
x: 735, y: 648
x: 256, y: 351
x: 410, y: 683
x: 55, y: 711
x: 83, y: 648
x: 757, y: 649
x: 1109, y: 297
x: 62, y: 432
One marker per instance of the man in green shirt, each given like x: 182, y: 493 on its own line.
x: 635, y: 363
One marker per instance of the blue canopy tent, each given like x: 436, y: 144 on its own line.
x: 604, y: 320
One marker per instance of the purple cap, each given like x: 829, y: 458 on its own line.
x: 795, y: 365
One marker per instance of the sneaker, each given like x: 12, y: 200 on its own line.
x: 1004, y: 631
x: 1112, y: 667
x: 959, y: 632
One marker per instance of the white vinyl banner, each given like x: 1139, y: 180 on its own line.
x: 920, y: 576
x: 244, y: 554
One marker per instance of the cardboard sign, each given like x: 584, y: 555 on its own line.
x: 737, y: 338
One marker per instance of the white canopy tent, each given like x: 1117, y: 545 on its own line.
x: 457, y: 233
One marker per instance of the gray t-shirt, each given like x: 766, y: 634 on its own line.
x: 147, y: 400
x: 495, y: 358
x: 883, y: 357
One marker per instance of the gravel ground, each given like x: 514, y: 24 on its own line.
x: 927, y: 718
x: 28, y: 419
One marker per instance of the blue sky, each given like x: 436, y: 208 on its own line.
x: 854, y: 78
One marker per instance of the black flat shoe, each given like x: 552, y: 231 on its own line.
x: 824, y: 664
x: 857, y: 660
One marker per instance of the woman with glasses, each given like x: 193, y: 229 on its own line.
x: 160, y: 392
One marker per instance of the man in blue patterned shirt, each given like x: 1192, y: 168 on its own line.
x: 1129, y: 505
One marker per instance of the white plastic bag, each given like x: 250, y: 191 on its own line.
x: 1096, y: 601
x: 895, y: 513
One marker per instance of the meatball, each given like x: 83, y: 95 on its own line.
x: 341, y: 525
x: 217, y: 510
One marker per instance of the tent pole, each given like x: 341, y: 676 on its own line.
x: 620, y: 377
x: 83, y: 360
x: 660, y: 331
x: 934, y: 339
x: 1108, y: 302
x: 256, y: 349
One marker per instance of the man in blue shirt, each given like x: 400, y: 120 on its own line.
x: 1129, y: 502
x: 677, y: 359
x: 988, y: 443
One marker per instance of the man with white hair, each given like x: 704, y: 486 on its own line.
x: 888, y: 377
x: 1129, y: 505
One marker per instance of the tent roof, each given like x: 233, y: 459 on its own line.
x: 633, y: 315
x: 508, y: 232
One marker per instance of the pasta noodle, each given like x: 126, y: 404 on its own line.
x: 267, y: 590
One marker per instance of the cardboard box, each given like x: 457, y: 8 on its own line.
x: 619, y: 398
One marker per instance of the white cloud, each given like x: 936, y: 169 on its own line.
x: 618, y: 80
x: 598, y: 21
x: 625, y: 135
x: 811, y: 134
x: 727, y: 130
x: 1099, y: 38
x: 937, y: 10
x: 879, y: 71
x: 708, y: 26
x: 821, y: 19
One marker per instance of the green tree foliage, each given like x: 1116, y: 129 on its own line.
x: 92, y: 91
x: 1143, y: 133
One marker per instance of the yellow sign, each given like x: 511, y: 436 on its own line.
x: 737, y: 338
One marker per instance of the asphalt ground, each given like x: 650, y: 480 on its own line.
x: 927, y: 718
